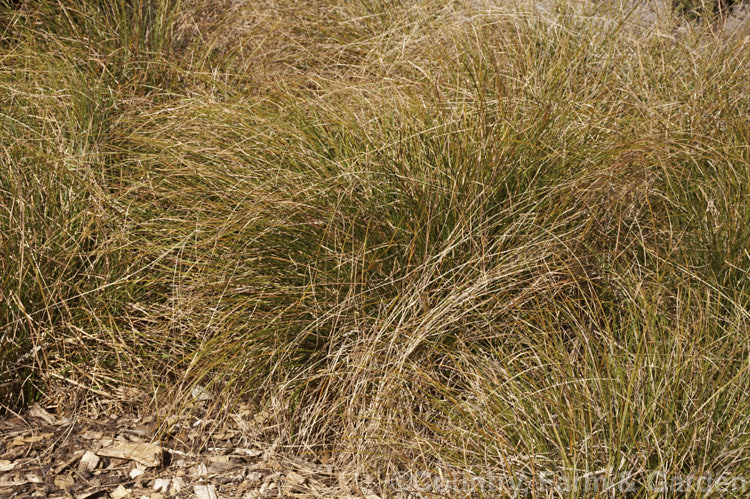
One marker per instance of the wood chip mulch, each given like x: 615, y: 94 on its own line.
x: 43, y: 455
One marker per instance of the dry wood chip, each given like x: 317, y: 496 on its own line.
x: 63, y: 482
x: 243, y: 425
x: 89, y: 461
x: 273, y: 464
x: 32, y: 439
x: 206, y: 491
x: 13, y: 483
x: 90, y: 494
x: 270, y: 451
x: 198, y: 471
x: 161, y: 485
x: 267, y: 485
x: 177, y: 485
x: 135, y: 473
x: 75, y: 457
x: 254, y: 477
x: 135, y: 438
x: 221, y: 467
x: 142, y: 493
x: 33, y: 478
x: 224, y: 434
x: 248, y: 452
x: 92, y: 435
x: 369, y: 493
x: 149, y: 455
x: 119, y: 492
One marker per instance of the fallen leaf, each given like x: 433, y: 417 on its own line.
x: 201, y: 394
x: 149, y: 455
x: 324, y: 457
x: 6, y: 465
x: 224, y: 434
x: 295, y: 478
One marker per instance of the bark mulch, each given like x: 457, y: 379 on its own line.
x: 43, y: 455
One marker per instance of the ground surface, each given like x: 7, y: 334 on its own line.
x: 42, y: 455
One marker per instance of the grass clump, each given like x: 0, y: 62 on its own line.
x: 421, y: 235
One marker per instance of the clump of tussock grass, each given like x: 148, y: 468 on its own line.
x: 420, y: 235
x: 68, y: 70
